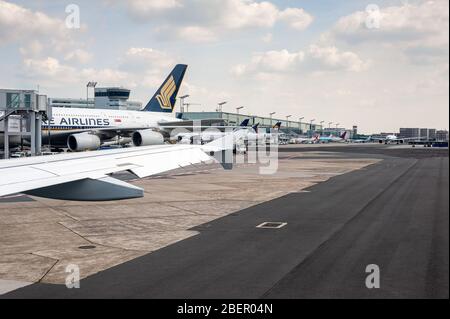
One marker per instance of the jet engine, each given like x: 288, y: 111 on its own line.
x: 83, y: 142
x: 147, y: 137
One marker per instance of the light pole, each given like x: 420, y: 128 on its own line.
x: 321, y: 126
x: 182, y: 102
x: 89, y: 85
x: 271, y: 115
x: 287, y: 120
x: 221, y: 104
x: 300, y: 124
x: 237, y: 112
x: 329, y: 124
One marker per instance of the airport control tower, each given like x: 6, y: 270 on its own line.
x: 111, y: 98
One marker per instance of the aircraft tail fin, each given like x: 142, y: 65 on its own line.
x: 344, y: 135
x: 277, y: 125
x: 245, y: 123
x: 165, y: 98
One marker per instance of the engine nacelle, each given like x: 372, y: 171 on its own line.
x: 147, y: 137
x: 83, y: 142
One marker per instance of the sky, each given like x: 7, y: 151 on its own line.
x: 380, y: 65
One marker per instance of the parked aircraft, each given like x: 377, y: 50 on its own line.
x: 88, y: 129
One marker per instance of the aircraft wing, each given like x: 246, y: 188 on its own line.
x: 86, y: 176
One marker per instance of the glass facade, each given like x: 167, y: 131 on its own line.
x: 27, y: 100
x: 12, y: 100
x: 266, y: 122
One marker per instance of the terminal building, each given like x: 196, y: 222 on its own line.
x: 442, y: 136
x: 115, y: 98
x: 423, y: 133
x: 264, y: 122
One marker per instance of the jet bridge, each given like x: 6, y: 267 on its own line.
x: 21, y: 115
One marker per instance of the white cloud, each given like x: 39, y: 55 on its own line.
x: 297, y: 18
x: 146, y: 58
x: 277, y: 61
x: 410, y: 27
x: 332, y: 58
x: 141, y: 9
x: 79, y: 56
x: 137, y: 68
x: 18, y: 23
x: 261, y: 64
x: 196, y: 34
x: 244, y: 13
x: 39, y: 35
x: 150, y: 5
x: 32, y: 48
x: 205, y: 20
x: 316, y: 59
x: 51, y: 72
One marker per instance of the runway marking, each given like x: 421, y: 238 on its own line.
x: 272, y: 225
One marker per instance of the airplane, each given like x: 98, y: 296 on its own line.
x: 304, y: 140
x: 87, y: 129
x: 394, y: 139
x: 255, y: 136
x: 327, y: 139
x: 86, y: 176
x: 363, y: 140
x: 205, y: 136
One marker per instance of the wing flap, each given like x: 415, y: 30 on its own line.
x: 160, y: 163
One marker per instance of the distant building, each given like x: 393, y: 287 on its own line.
x: 105, y: 98
x: 409, y: 132
x: 423, y: 133
x: 442, y: 136
x: 355, y: 130
x: 432, y: 134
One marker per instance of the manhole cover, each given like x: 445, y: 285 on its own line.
x: 87, y: 247
x: 275, y: 225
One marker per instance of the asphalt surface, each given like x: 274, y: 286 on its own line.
x: 394, y: 214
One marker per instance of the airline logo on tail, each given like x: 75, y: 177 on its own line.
x: 277, y: 126
x: 344, y: 135
x: 167, y: 90
x: 165, y: 98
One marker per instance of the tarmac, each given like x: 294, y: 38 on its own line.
x: 195, y: 234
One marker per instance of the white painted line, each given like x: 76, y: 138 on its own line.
x: 272, y: 225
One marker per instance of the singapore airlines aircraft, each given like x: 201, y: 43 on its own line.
x: 88, y: 129
x: 86, y: 176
